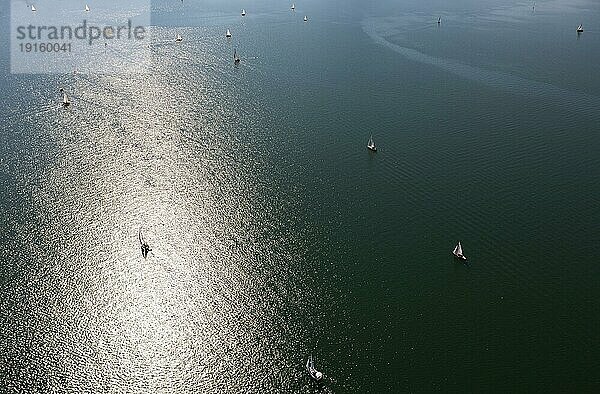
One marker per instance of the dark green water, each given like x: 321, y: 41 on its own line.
x: 275, y: 233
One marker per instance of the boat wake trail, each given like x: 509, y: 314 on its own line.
x: 379, y: 29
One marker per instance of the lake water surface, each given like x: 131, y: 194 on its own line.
x: 276, y: 234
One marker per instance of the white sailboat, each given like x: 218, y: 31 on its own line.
x: 66, y: 102
x: 305, y: 18
x: 371, y: 144
x: 33, y: 8
x: 580, y: 29
x: 228, y: 34
x: 458, y: 252
x: 179, y: 38
x: 310, y: 367
x: 87, y: 9
x: 293, y: 6
x: 243, y: 12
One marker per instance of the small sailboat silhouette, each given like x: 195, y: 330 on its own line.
x: 243, y: 12
x: 143, y: 244
x: 371, y: 145
x: 66, y: 102
x: 236, y: 58
x: 228, y: 34
x: 312, y: 371
x: 305, y: 18
x: 458, y: 252
x: 293, y: 6
x: 87, y: 9
x: 179, y: 38
x: 33, y: 9
x: 580, y: 29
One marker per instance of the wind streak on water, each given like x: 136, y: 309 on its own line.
x: 380, y: 29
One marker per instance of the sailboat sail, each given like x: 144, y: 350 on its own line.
x: 371, y: 144
x: 458, y: 250
x: 310, y: 367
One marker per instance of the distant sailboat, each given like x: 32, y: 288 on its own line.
x: 143, y: 244
x: 228, y: 34
x: 458, y: 252
x: 293, y: 6
x: 439, y: 20
x: 66, y: 102
x: 179, y: 38
x: 236, y: 58
x: 310, y: 367
x: 371, y: 145
x: 305, y: 18
x: 87, y: 8
x: 580, y: 29
x: 33, y: 8
x: 243, y: 12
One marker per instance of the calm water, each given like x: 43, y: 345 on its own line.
x: 275, y: 233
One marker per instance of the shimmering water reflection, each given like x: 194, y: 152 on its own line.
x: 220, y: 303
